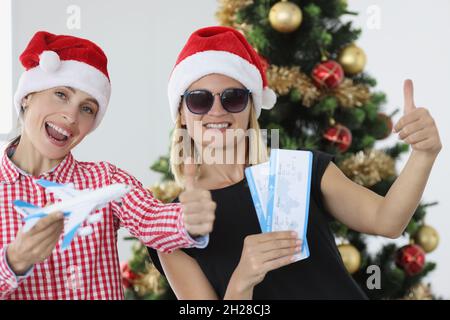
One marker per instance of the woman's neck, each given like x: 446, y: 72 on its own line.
x: 223, y: 173
x: 217, y: 176
x: 30, y: 160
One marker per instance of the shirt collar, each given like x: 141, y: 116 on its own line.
x: 10, y: 173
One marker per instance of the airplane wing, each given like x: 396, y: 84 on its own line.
x: 61, y: 191
x: 76, y: 219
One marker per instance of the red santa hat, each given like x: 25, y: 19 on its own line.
x: 59, y: 60
x: 225, y: 51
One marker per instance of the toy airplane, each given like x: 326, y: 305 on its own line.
x: 76, y: 205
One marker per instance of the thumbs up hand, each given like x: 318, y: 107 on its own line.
x: 198, y: 207
x: 417, y: 127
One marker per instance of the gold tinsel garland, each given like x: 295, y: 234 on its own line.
x: 228, y: 10
x: 350, y: 95
x: 283, y: 79
x: 368, y: 167
x: 149, y: 282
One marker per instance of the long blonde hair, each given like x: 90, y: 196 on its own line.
x: 255, y: 153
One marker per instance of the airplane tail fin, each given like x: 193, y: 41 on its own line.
x: 30, y: 213
x: 25, y: 209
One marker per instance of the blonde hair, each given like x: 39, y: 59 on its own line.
x: 255, y: 153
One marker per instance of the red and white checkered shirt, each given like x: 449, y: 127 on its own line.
x: 89, y: 268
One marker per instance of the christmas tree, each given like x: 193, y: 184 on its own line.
x: 325, y: 102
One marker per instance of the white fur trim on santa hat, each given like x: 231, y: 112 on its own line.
x: 70, y: 73
x: 204, y: 63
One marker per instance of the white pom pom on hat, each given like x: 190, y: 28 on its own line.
x: 269, y: 98
x: 49, y: 61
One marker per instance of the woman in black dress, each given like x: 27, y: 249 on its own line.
x: 218, y: 84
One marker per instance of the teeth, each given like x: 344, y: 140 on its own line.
x: 217, y: 125
x: 60, y: 130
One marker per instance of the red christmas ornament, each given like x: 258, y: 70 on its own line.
x: 128, y: 276
x: 411, y: 259
x: 328, y: 74
x: 339, y: 135
x: 388, y: 123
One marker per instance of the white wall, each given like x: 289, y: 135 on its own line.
x: 5, y: 67
x: 142, y: 39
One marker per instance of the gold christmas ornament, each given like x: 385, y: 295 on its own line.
x: 352, y: 59
x: 368, y: 167
x: 166, y: 191
x: 351, y: 257
x: 350, y: 95
x: 226, y: 15
x: 419, y: 292
x: 283, y: 79
x: 427, y: 237
x: 285, y: 16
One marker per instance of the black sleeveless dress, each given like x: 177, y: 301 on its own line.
x: 321, y: 276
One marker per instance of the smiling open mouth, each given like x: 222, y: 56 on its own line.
x: 222, y: 125
x: 56, y: 132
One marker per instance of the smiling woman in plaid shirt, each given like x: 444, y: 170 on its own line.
x: 61, y: 97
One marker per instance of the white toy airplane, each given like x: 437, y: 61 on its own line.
x: 76, y: 205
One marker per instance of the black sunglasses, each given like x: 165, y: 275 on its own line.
x: 233, y: 100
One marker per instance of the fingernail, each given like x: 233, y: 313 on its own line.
x: 294, y: 234
x: 298, y: 248
x: 298, y: 242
